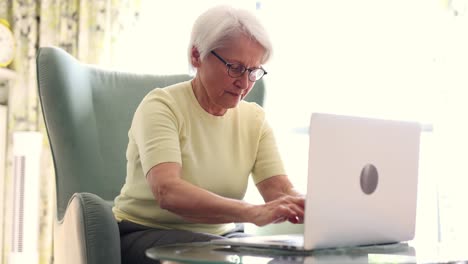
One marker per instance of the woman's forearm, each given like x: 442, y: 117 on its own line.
x: 198, y: 205
x: 192, y: 202
x: 276, y: 187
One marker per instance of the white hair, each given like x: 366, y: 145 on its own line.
x: 218, y: 25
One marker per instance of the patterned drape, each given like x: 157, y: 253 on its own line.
x: 86, y: 29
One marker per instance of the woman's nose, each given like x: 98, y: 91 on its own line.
x: 243, y: 81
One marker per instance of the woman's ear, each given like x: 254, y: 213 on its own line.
x: 195, y: 57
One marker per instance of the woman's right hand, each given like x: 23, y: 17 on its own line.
x: 285, y: 208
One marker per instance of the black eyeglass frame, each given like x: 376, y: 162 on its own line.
x: 251, y: 70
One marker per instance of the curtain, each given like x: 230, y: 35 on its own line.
x: 88, y: 30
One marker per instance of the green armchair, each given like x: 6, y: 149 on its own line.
x: 87, y: 112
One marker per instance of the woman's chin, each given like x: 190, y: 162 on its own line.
x: 233, y: 104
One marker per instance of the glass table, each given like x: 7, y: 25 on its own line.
x: 207, y: 253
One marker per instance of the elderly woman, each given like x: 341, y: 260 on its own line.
x: 193, y: 145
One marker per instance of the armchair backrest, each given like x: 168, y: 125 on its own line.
x: 87, y: 112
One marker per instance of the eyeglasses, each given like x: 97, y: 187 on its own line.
x: 236, y: 70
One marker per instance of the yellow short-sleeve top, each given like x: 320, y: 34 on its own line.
x: 217, y: 153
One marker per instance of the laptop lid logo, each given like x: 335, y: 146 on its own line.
x: 369, y: 179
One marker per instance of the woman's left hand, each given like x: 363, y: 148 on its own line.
x: 286, y: 208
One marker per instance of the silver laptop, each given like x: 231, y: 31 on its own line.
x: 361, y: 187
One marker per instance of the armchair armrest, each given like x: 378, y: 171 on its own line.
x: 88, y: 231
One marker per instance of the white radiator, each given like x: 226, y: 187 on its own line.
x: 27, y: 148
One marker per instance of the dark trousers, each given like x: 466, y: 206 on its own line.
x: 135, y: 239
